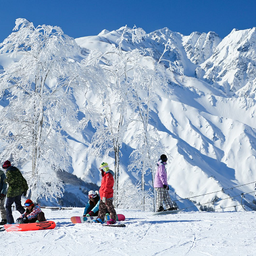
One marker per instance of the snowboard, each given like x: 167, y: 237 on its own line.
x: 30, y: 226
x: 166, y: 212
x: 81, y: 219
x: 114, y: 225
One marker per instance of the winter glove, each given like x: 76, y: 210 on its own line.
x: 2, y: 196
x: 24, y: 193
x: 19, y: 220
x: 25, y: 220
x: 104, y: 200
x: 90, y: 213
x: 166, y: 187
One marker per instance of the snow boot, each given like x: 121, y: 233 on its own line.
x: 111, y: 221
x: 98, y: 220
x: 173, y: 208
x: 3, y: 222
x: 160, y: 209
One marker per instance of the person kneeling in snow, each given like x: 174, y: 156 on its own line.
x: 92, y: 207
x: 32, y: 214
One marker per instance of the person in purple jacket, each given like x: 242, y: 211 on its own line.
x: 161, y: 187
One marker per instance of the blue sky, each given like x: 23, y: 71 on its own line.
x: 79, y: 18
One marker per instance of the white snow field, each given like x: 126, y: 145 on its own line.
x: 193, y: 233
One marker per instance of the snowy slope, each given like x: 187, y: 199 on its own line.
x: 203, y: 129
x: 194, y: 233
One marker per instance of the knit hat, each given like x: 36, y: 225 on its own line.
x: 104, y: 167
x: 29, y: 202
x: 6, y: 164
x: 163, y: 158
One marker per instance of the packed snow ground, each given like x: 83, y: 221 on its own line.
x: 193, y: 233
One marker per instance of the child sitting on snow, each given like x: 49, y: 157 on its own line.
x: 32, y: 214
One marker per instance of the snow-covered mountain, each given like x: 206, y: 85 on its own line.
x: 232, y: 66
x: 204, y: 116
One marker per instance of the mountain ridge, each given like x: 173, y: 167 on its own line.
x: 204, y: 116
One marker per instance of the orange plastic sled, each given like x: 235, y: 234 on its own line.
x: 30, y: 226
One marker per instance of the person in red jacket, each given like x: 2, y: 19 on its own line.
x: 106, y: 195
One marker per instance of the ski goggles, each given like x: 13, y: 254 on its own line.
x: 92, y: 196
x: 27, y: 204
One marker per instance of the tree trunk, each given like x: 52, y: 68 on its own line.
x: 143, y: 187
x: 116, y: 187
x: 37, y: 131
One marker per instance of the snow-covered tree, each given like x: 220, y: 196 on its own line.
x: 36, y: 90
x: 147, y: 76
x: 114, y: 104
x: 114, y: 116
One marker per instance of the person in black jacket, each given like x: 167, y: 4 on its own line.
x: 17, y: 186
x: 3, y: 188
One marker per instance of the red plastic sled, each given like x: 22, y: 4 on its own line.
x: 30, y: 226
